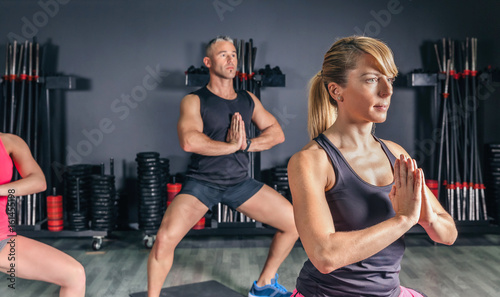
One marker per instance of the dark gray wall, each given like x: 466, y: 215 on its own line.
x: 115, y: 45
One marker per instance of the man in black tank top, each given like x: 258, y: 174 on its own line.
x: 213, y: 125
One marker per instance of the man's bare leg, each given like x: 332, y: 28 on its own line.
x: 181, y: 215
x: 269, y: 207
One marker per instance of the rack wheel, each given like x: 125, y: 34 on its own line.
x: 97, y: 243
x: 149, y: 241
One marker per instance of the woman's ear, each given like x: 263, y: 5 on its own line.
x: 334, y: 89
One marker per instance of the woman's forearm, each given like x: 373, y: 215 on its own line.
x: 28, y: 185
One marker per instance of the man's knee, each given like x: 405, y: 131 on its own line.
x: 165, y: 243
x: 288, y: 225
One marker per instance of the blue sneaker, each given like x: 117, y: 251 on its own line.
x: 272, y: 290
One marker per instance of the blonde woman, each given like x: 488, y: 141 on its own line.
x: 354, y: 195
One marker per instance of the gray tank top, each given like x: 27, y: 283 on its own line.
x: 216, y: 113
x: 355, y: 205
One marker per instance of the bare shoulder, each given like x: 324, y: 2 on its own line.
x: 190, y: 105
x: 311, y: 168
x: 252, y: 95
x: 11, y: 141
x: 395, y: 148
x: 190, y: 99
x: 254, y: 98
x: 312, y: 156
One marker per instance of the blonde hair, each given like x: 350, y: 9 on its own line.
x: 339, y: 60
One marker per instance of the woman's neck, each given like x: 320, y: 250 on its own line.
x: 351, y: 135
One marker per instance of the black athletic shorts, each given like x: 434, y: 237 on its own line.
x: 211, y: 194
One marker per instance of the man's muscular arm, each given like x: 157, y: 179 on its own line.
x: 271, y: 132
x: 190, y: 132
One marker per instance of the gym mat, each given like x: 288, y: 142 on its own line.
x: 203, y: 289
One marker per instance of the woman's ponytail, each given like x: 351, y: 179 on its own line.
x: 322, y: 110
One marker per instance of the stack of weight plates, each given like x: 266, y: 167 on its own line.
x: 493, y: 181
x: 77, y: 195
x: 165, y: 176
x: 280, y: 181
x: 55, y: 212
x: 103, y: 202
x: 151, y: 184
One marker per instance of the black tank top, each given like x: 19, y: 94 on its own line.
x: 355, y: 205
x: 216, y: 113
